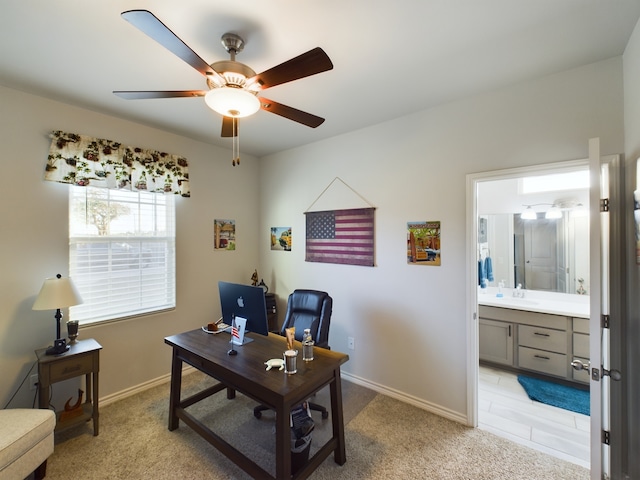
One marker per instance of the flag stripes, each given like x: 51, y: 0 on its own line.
x: 234, y: 329
x: 341, y: 236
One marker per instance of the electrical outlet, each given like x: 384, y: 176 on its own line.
x: 351, y: 343
x: 33, y: 381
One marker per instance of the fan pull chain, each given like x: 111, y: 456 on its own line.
x: 235, y: 142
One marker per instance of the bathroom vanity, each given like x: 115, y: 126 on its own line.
x: 542, y: 333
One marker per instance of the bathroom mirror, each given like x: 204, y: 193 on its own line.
x: 540, y: 254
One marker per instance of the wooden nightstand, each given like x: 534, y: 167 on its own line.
x: 83, y: 358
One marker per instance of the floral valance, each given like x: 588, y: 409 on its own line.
x: 83, y: 161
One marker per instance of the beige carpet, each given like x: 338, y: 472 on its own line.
x: 385, y: 439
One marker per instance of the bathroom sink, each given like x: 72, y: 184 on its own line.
x: 506, y: 300
x: 520, y: 301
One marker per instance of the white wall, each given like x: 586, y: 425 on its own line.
x: 408, y: 321
x: 33, y: 219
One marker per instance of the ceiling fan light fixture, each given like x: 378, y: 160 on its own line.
x: 232, y: 102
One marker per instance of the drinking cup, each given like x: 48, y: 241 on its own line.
x: 290, y: 361
x: 307, y: 351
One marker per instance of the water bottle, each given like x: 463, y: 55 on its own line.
x: 307, y: 345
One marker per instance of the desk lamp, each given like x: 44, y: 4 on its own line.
x: 57, y: 293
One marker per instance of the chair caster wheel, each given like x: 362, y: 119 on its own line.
x: 325, y: 415
x: 257, y: 414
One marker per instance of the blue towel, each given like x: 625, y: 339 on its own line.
x: 488, y: 268
x: 482, y: 274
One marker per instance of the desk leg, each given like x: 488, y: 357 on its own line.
x: 176, y: 385
x: 283, y: 443
x: 337, y: 418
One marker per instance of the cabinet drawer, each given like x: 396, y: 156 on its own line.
x: 581, y: 375
x: 581, y: 345
x: 71, y: 367
x: 542, y: 338
x: 541, y: 361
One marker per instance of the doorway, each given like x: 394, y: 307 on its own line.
x: 541, y: 258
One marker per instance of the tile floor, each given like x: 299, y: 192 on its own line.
x: 505, y: 410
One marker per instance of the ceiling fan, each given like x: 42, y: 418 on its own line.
x: 233, y: 86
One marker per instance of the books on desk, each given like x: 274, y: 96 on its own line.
x: 222, y: 327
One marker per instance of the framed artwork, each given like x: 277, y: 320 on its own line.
x: 224, y: 234
x: 423, y: 243
x: 281, y: 239
x: 341, y: 236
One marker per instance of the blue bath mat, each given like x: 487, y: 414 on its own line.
x: 561, y: 396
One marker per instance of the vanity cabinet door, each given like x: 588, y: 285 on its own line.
x: 581, y: 352
x: 496, y: 341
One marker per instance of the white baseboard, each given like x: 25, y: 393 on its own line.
x: 403, y: 397
x: 122, y: 394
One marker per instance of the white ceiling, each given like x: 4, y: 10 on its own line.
x: 391, y: 58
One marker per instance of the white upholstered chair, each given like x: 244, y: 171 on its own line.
x: 26, y: 441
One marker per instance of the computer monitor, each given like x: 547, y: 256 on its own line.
x: 244, y: 301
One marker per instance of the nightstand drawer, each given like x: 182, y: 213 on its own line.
x: 71, y: 367
x: 542, y: 338
x: 541, y: 361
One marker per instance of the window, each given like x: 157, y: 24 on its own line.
x: 121, y: 252
x: 575, y: 180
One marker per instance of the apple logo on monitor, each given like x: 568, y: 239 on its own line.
x: 240, y: 302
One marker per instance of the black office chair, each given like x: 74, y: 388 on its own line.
x: 307, y: 309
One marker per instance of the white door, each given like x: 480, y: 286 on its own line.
x: 540, y: 255
x: 599, y: 299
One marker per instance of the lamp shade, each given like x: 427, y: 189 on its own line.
x: 232, y: 102
x: 57, y: 292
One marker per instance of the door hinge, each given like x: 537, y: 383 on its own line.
x: 604, y: 205
x: 606, y: 437
x: 604, y: 321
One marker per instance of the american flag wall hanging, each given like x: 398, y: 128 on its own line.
x: 341, y: 236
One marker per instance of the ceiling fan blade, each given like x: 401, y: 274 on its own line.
x: 227, y: 127
x: 309, y: 63
x: 148, y: 23
x: 133, y: 95
x: 291, y: 113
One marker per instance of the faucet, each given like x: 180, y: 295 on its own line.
x: 519, y: 291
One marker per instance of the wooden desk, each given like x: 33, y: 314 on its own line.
x: 82, y: 358
x: 245, y: 372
